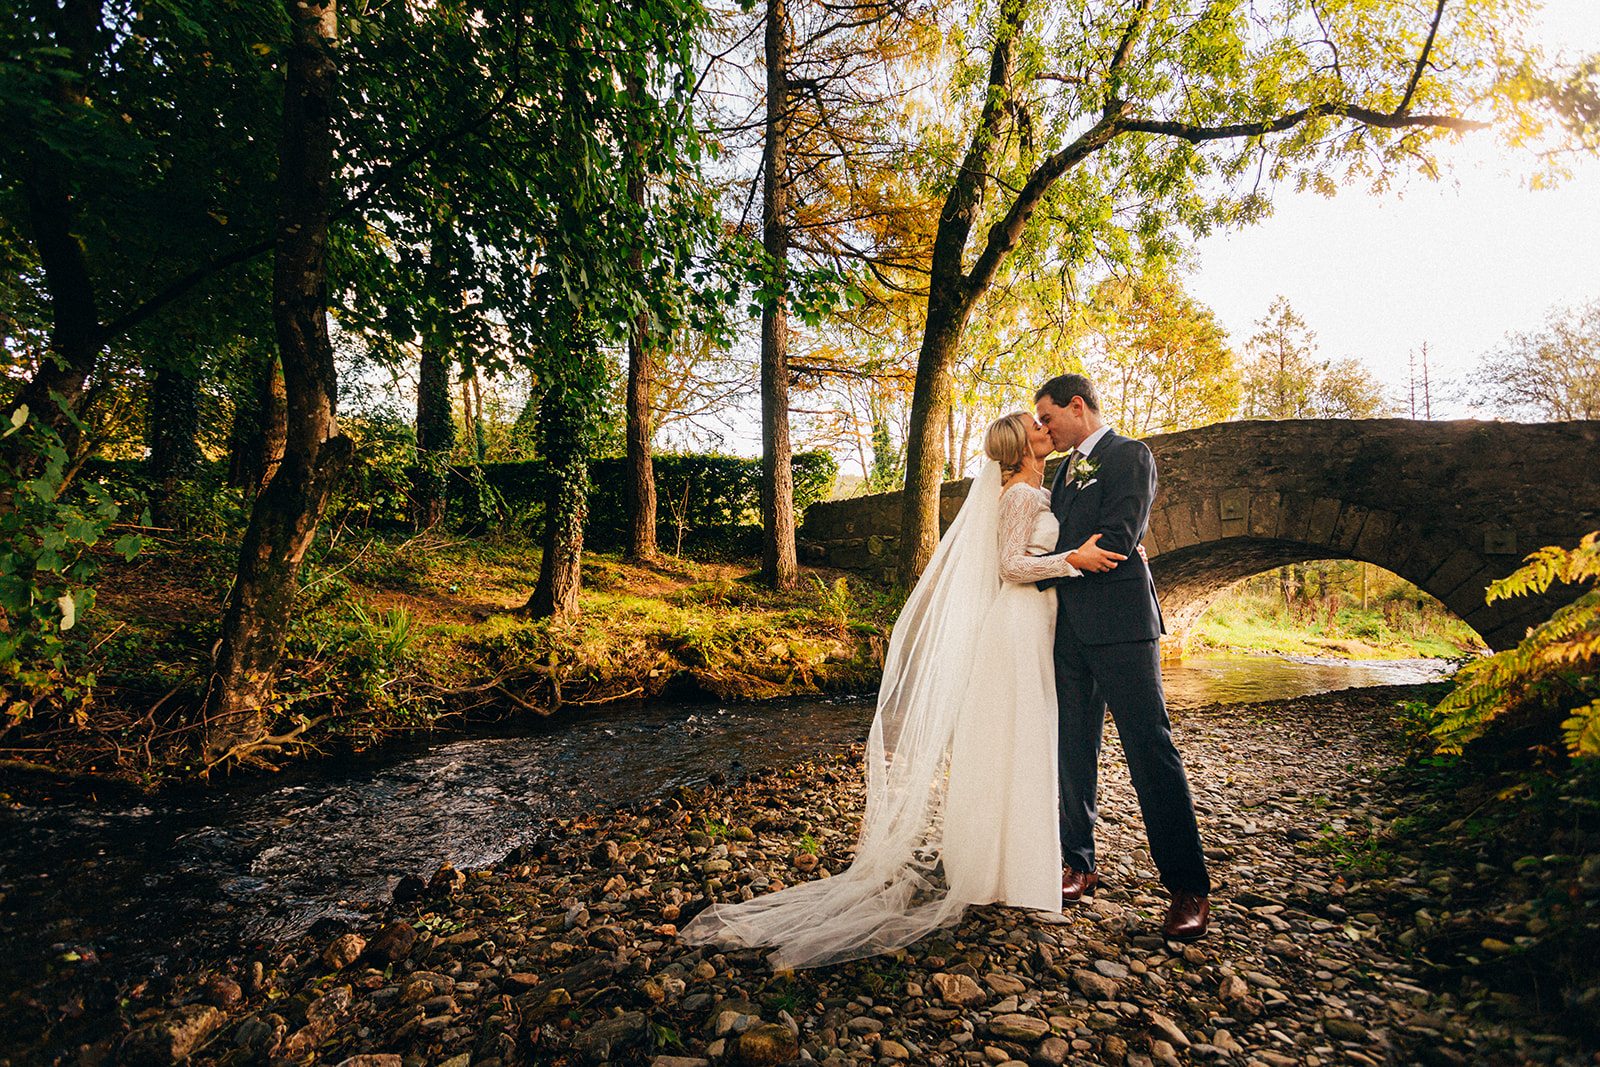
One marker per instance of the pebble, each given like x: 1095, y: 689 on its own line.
x: 565, y: 952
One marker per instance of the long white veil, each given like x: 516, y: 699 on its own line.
x: 893, y: 892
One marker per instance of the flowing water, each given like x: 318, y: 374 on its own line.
x: 134, y: 886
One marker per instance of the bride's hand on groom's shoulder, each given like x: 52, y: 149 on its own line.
x: 1089, y: 556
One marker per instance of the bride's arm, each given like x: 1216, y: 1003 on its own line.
x: 1017, y: 512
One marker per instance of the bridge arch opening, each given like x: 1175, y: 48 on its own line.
x: 1339, y: 607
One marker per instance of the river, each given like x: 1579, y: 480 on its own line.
x: 138, y: 886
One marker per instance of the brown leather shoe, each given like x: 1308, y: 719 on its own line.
x: 1075, y: 884
x: 1187, y: 918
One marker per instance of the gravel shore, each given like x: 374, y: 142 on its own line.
x: 1336, y: 939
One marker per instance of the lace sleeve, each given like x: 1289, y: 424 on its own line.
x: 1018, y: 509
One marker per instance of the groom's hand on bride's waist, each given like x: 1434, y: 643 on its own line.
x: 1090, y: 557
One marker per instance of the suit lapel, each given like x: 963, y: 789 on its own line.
x: 1071, y: 491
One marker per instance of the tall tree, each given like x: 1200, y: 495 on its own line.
x: 286, y: 514
x: 1280, y: 377
x: 1550, y: 373
x: 1160, y: 359
x: 780, y: 566
x: 640, y: 494
x: 1099, y: 127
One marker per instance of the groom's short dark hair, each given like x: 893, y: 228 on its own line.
x: 1063, y: 387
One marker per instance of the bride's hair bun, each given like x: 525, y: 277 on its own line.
x: 1006, y: 441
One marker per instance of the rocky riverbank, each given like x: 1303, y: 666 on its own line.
x: 1362, y: 915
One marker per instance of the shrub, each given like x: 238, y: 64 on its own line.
x: 47, y: 527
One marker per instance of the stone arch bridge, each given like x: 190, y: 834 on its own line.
x: 1449, y: 506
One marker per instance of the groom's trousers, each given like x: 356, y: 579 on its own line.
x: 1126, y: 678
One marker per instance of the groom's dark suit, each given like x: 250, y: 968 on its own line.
x: 1108, y: 654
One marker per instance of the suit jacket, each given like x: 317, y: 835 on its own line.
x: 1118, y: 605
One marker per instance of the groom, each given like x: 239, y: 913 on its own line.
x: 1108, y: 654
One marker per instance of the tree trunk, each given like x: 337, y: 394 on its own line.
x: 779, y: 565
x: 640, y: 479
x: 436, y: 428
x: 948, y: 309
x: 284, y: 519
x: 641, y: 476
x: 561, y: 425
x: 75, y: 329
x: 951, y: 296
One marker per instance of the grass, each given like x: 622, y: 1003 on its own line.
x: 1249, y: 621
x: 392, y: 636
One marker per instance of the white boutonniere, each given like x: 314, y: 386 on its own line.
x: 1085, y: 472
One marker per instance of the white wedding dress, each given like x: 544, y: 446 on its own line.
x: 961, y: 758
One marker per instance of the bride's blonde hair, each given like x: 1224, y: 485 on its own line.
x: 1006, y: 441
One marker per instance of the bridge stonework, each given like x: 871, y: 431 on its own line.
x: 1449, y: 506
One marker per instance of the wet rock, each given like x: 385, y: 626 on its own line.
x: 605, y: 1039
x: 345, y: 950
x: 221, y: 991
x: 372, y: 1059
x: 172, y: 1038
x: 446, y: 881
x: 409, y: 889
x: 392, y: 943
x: 261, y: 1036
x: 766, y: 1045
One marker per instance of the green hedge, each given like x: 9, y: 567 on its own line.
x: 704, y: 492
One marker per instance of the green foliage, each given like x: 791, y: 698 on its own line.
x: 46, y: 532
x: 700, y: 492
x: 1556, y: 667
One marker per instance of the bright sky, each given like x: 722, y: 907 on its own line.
x: 1456, y: 264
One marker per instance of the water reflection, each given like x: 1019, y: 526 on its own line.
x: 189, y: 872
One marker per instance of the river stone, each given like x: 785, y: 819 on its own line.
x: 541, y: 1004
x: 1168, y: 1029
x: 725, y: 1006
x: 408, y: 889
x: 221, y: 991
x: 372, y: 1059
x: 1111, y: 969
x: 679, y: 1061
x: 1094, y: 986
x: 261, y: 1035
x: 1342, y: 1029
x: 446, y: 881
x: 172, y: 1038
x: 1018, y: 1028
x: 893, y: 1050
x: 344, y: 950
x: 958, y: 990
x: 393, y: 942
x: 1005, y: 985
x: 424, y: 985
x: 766, y: 1045
x: 598, y: 1043
x: 1052, y: 1051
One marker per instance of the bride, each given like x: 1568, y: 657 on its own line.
x: 961, y: 759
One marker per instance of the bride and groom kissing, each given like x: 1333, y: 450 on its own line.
x: 1036, y: 615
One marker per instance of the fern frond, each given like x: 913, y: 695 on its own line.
x: 1582, y: 730
x: 1545, y: 566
